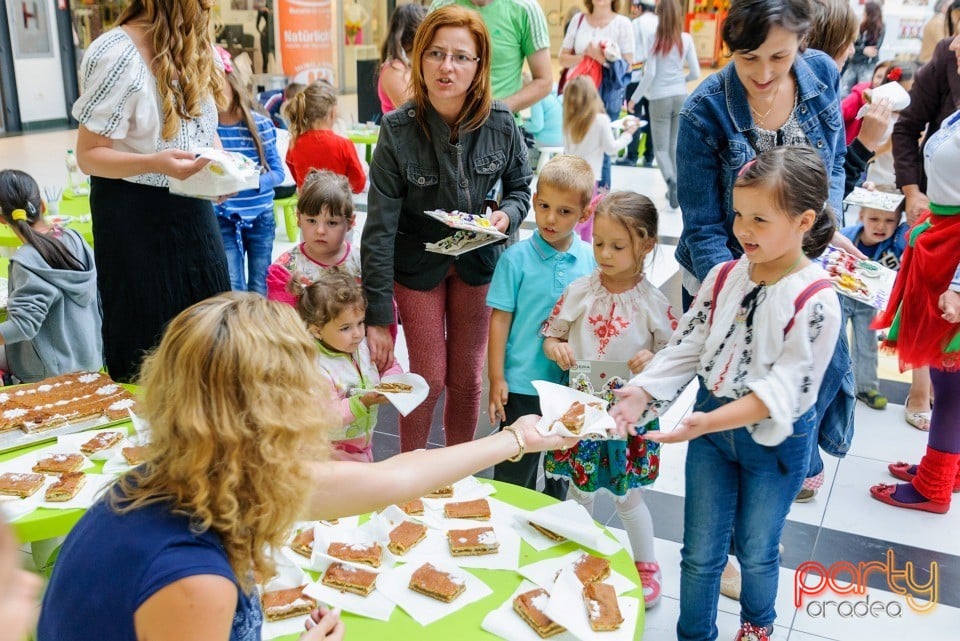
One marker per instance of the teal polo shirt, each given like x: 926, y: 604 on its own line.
x: 529, y: 279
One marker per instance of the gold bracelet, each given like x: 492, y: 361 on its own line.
x: 521, y: 443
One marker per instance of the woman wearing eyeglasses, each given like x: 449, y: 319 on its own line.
x: 448, y: 148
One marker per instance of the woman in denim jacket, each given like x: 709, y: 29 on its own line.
x: 448, y: 148
x: 773, y: 94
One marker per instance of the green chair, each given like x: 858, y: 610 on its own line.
x: 287, y: 208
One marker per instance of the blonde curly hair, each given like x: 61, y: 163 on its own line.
x: 179, y: 33
x: 231, y: 395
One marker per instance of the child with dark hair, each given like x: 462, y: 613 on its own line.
x: 333, y: 307
x: 759, y: 336
x: 246, y: 219
x: 884, y: 73
x: 53, y: 313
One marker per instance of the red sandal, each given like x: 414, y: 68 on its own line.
x: 883, y: 492
x: 901, y: 471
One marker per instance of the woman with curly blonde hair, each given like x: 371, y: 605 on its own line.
x: 147, y: 101
x: 238, y: 413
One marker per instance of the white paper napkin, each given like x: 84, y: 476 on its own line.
x: 544, y: 573
x: 87, y: 496
x: 406, y: 402
x: 533, y: 537
x: 567, y: 608
x: 363, y: 535
x: 466, y: 489
x: 893, y: 91
x: 421, y: 608
x: 13, y: 508
x: 73, y: 442
x: 507, y: 624
x: 570, y: 519
x: 227, y: 173
x: 288, y: 576
x: 347, y: 524
x: 555, y: 400
x: 373, y: 606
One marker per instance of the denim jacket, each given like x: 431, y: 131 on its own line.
x: 714, y: 144
x: 411, y: 173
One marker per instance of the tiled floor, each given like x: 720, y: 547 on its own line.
x: 841, y: 524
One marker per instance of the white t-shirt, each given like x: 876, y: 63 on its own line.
x: 580, y: 34
x: 598, y: 141
x: 119, y: 100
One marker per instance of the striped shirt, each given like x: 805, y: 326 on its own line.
x: 251, y: 203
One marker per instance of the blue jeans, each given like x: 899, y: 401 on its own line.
x: 249, y: 245
x: 865, y: 359
x: 605, y: 169
x: 735, y: 485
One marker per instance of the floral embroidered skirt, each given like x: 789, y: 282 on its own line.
x: 613, y: 465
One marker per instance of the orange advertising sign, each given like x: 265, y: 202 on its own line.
x: 306, y: 39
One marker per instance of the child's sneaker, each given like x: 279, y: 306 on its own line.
x: 650, y: 578
x: 873, y: 399
x: 750, y: 632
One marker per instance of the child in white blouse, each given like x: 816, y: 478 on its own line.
x: 615, y: 314
x: 587, y: 132
x: 759, y: 336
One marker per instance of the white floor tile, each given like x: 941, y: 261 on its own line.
x: 803, y: 636
x: 851, y: 509
x: 885, y: 436
x: 660, y: 623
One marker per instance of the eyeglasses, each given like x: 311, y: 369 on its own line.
x: 437, y: 56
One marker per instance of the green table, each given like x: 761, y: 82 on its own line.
x: 465, y: 623
x: 367, y: 138
x: 77, y: 207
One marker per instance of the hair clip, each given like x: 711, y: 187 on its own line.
x: 31, y: 208
x: 746, y: 167
x: 895, y: 74
x: 226, y: 59
x: 18, y: 214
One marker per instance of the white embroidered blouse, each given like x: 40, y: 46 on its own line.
x: 603, y: 326
x: 119, y: 100
x: 736, y: 358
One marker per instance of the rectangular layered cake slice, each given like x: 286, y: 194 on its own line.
x: 302, y: 543
x: 413, y: 508
x: 357, y: 553
x: 284, y: 604
x: 349, y: 579
x: 550, y: 534
x: 445, y: 492
x: 66, y: 487
x: 590, y: 569
x: 102, y: 441
x: 574, y: 417
x: 58, y: 463
x: 473, y: 542
x: 20, y: 484
x: 135, y: 455
x: 437, y: 584
x: 603, y: 610
x: 478, y: 509
x: 405, y: 536
x: 530, y: 606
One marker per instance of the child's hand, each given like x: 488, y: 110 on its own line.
x: 639, y: 361
x: 373, y: 398
x: 950, y: 306
x: 628, y: 410
x: 694, y: 425
x: 560, y: 353
x: 323, y: 624
x: 498, y: 398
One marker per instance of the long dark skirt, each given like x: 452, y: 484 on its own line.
x: 156, y: 255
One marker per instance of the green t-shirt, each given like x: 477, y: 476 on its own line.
x: 517, y: 28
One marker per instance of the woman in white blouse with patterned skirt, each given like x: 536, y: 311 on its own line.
x: 148, y: 100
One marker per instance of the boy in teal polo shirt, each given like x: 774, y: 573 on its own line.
x: 529, y: 279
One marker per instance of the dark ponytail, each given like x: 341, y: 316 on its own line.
x: 19, y: 192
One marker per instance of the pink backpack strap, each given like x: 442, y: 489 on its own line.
x: 809, y: 292
x: 725, y: 269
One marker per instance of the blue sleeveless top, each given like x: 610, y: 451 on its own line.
x: 111, y: 563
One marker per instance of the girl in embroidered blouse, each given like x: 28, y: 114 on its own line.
x: 759, y: 336
x: 333, y: 308
x: 313, y: 142
x: 612, y: 314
